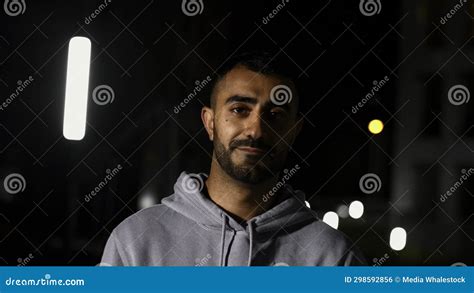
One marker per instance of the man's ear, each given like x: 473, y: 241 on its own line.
x: 207, y: 117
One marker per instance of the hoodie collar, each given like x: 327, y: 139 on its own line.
x: 189, y: 200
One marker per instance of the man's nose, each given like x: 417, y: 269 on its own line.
x: 255, y: 126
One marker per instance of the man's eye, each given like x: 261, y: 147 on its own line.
x: 239, y: 110
x: 277, y: 114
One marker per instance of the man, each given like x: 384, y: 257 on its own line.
x: 242, y: 214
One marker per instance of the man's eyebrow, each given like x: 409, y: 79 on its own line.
x: 270, y: 105
x: 241, y: 99
x: 253, y: 101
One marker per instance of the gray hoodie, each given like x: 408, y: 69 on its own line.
x: 189, y: 229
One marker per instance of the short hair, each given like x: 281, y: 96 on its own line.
x: 258, y: 61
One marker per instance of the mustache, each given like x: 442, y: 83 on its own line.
x: 260, y: 144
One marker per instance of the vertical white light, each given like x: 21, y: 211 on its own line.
x: 332, y: 219
x: 77, y: 88
x: 398, y: 238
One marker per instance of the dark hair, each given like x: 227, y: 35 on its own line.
x: 258, y: 61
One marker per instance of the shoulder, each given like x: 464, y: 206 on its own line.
x: 336, y: 246
x: 142, y: 221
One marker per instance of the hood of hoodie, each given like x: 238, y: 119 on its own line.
x: 190, y: 201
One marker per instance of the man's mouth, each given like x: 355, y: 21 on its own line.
x: 252, y: 150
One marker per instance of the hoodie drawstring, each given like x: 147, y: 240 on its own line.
x: 221, y: 262
x: 224, y: 224
x: 251, y: 243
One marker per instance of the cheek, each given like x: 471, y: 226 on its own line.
x: 226, y: 129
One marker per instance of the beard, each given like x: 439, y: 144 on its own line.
x: 252, y: 171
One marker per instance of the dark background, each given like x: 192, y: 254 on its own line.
x: 151, y: 54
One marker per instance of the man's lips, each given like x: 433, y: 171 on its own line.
x: 252, y: 150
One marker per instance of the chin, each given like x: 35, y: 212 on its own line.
x: 251, y: 174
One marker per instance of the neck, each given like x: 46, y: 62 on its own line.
x: 241, y: 200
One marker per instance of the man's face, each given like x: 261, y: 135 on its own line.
x: 251, y: 134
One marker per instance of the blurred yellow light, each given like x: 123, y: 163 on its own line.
x: 375, y: 126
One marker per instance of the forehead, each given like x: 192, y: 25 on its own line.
x: 242, y: 81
